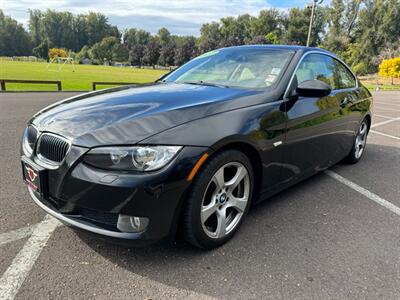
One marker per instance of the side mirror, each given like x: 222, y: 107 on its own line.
x: 313, y: 88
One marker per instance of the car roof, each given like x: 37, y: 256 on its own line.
x: 280, y: 47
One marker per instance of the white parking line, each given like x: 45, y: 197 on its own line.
x: 387, y: 101
x: 16, y: 235
x: 388, y: 104
x: 384, y: 134
x: 14, y: 276
x: 374, y: 197
x: 385, y: 109
x: 385, y: 122
x: 382, y: 116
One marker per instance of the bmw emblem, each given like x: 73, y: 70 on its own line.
x: 222, y: 198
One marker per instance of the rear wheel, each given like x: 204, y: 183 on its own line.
x: 219, y: 200
x: 359, y: 144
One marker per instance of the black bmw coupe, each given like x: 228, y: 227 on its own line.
x: 191, y: 152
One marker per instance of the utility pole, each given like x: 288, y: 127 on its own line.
x: 312, y: 6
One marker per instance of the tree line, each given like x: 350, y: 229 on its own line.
x: 362, y: 32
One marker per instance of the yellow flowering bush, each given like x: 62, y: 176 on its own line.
x: 57, y: 52
x: 390, y: 68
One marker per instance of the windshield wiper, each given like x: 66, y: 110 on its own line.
x: 201, y: 82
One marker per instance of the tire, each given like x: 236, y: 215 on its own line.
x: 359, y: 144
x: 218, y: 197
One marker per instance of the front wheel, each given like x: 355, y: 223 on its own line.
x: 219, y: 200
x: 359, y: 144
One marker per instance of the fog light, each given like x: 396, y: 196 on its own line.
x: 132, y: 224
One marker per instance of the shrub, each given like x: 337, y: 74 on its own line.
x: 42, y: 50
x: 57, y: 52
x: 390, y: 68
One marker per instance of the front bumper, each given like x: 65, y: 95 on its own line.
x: 91, y: 199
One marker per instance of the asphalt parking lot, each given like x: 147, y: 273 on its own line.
x: 334, y: 236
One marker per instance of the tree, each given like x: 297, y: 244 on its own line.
x: 167, y: 53
x: 134, y: 37
x: 151, y: 53
x: 65, y: 30
x: 80, y: 31
x: 235, y: 31
x: 390, y: 50
x: 390, y: 68
x: 245, y: 22
x: 210, y: 37
x: 185, y: 50
x: 35, y: 17
x: 351, y: 13
x: 57, y: 28
x: 336, y: 39
x: 136, y: 54
x: 84, y: 53
x: 268, y: 21
x: 98, y: 28
x: 377, y: 25
x: 342, y: 17
x: 297, y: 23
x: 163, y: 36
x: 14, y: 40
x: 104, y: 50
x: 120, y: 52
x: 42, y: 50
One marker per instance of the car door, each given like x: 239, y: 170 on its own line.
x: 316, y: 126
x: 347, y: 88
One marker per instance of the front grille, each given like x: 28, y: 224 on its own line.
x: 52, y: 147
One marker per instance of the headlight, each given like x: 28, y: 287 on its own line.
x: 29, y: 139
x: 138, y: 158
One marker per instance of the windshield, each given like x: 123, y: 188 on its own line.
x: 235, y: 67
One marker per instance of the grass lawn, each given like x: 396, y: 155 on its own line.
x: 80, y: 80
x: 382, y: 87
x: 385, y: 84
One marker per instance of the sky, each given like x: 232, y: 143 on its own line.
x: 179, y: 16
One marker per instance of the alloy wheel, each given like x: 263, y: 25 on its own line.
x: 361, y: 140
x: 225, y: 200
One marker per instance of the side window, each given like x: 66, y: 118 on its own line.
x: 343, y: 77
x: 316, y: 66
x: 327, y: 69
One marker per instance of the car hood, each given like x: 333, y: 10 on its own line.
x: 130, y: 114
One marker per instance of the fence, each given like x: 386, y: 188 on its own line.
x: 22, y: 58
x: 4, y: 81
x: 58, y: 83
